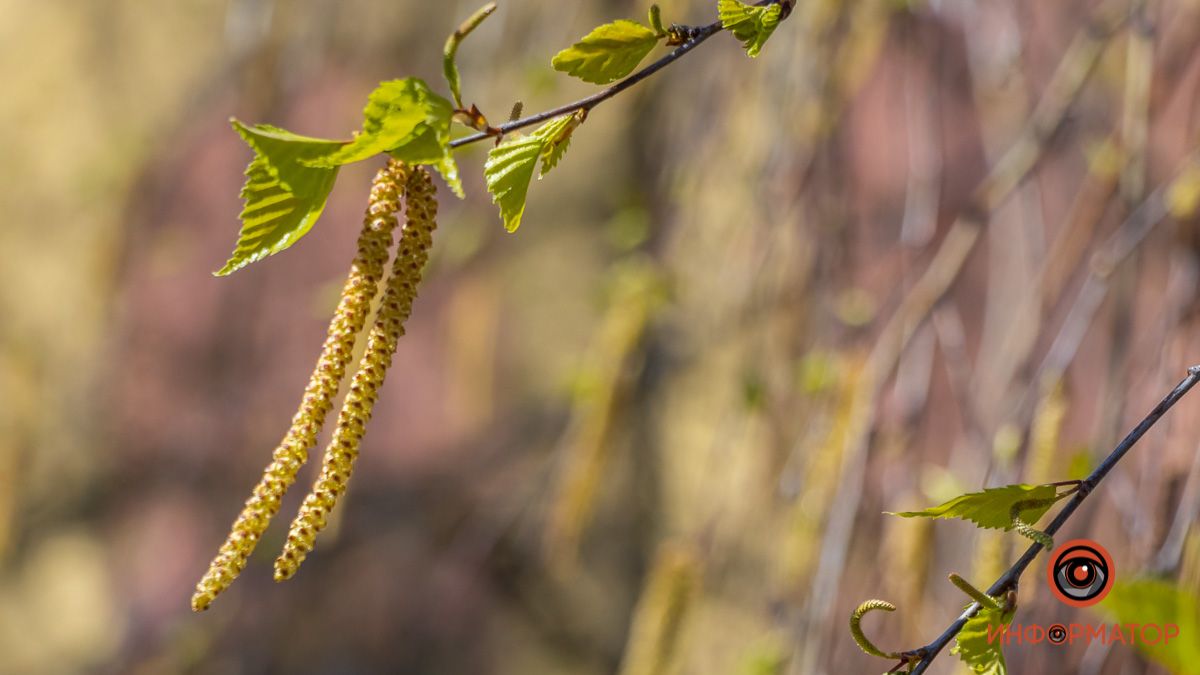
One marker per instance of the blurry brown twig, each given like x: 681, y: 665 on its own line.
x: 695, y: 35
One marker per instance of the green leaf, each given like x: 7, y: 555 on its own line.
x: 1144, y: 601
x: 608, y: 53
x: 508, y: 170
x: 283, y: 197
x: 510, y: 165
x: 430, y: 146
x: 973, y: 646
x: 991, y: 508
x: 556, y: 136
x: 448, y: 169
x: 449, y: 66
x: 404, y: 118
x: 656, y: 22
x: 750, y: 24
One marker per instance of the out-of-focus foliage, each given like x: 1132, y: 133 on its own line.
x: 1162, y: 603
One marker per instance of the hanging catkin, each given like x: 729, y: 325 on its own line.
x: 348, y: 321
x: 399, y: 292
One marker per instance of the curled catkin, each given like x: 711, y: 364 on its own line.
x: 348, y: 320
x: 398, y: 295
x: 860, y: 637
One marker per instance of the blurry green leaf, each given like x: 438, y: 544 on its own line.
x: 973, y: 646
x: 991, y: 508
x: 508, y: 170
x: 1006, y: 443
x: 938, y: 483
x: 628, y: 229
x: 449, y: 66
x: 608, y: 53
x: 1183, y: 197
x: 403, y: 118
x: 1080, y: 463
x: 818, y: 372
x: 1154, y: 601
x: 754, y: 390
x: 283, y: 197
x: 750, y: 24
x: 556, y: 135
x: 766, y: 660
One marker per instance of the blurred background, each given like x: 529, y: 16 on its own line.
x: 914, y: 249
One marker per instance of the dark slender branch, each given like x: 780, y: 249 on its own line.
x: 596, y: 99
x: 1008, y: 580
x: 697, y: 36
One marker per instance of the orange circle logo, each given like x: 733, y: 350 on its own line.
x: 1080, y: 572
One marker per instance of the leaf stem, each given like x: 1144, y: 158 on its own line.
x: 1009, y: 579
x: 701, y: 34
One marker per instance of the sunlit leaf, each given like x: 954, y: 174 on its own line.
x: 556, y: 136
x: 608, y: 53
x: 430, y: 146
x: 403, y: 118
x: 974, y: 648
x: 508, y: 170
x: 751, y: 25
x: 283, y: 197
x: 448, y: 169
x: 991, y: 508
x: 511, y: 164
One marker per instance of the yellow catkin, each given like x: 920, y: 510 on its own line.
x: 398, y: 295
x: 348, y: 321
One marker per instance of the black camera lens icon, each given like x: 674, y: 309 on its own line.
x: 1080, y: 573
